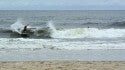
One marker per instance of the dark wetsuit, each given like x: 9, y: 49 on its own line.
x: 25, y: 29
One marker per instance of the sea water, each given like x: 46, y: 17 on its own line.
x: 73, y: 30
x: 69, y: 30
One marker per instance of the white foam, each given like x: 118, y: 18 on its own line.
x: 76, y: 32
x: 20, y: 43
x: 88, y: 33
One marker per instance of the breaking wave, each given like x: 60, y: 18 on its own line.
x: 118, y: 24
x: 88, y: 33
x: 37, y: 32
x: 50, y: 31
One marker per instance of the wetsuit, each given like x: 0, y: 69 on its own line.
x: 25, y: 29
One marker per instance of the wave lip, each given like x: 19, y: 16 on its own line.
x: 51, y: 32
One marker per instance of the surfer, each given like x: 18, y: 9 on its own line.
x: 25, y: 29
x: 25, y: 32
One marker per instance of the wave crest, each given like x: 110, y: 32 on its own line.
x: 89, y: 33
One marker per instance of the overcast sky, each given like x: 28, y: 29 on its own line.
x: 62, y: 4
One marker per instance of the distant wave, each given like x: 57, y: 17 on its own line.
x: 118, y: 24
x: 2, y: 30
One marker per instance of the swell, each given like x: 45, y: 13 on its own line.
x: 117, y: 24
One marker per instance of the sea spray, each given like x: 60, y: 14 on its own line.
x: 52, y: 30
x: 45, y: 32
x: 51, y: 26
x: 17, y: 26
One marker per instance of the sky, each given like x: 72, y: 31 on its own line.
x: 62, y: 4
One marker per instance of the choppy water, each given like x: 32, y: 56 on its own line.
x: 73, y: 30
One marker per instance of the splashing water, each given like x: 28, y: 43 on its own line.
x: 51, y: 26
x: 18, y: 26
x: 46, y: 31
x: 71, y: 33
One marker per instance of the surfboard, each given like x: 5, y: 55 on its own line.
x: 25, y: 35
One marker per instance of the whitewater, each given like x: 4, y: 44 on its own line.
x: 68, y: 39
x: 61, y: 30
x: 62, y: 35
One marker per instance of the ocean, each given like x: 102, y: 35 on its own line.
x: 72, y: 30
